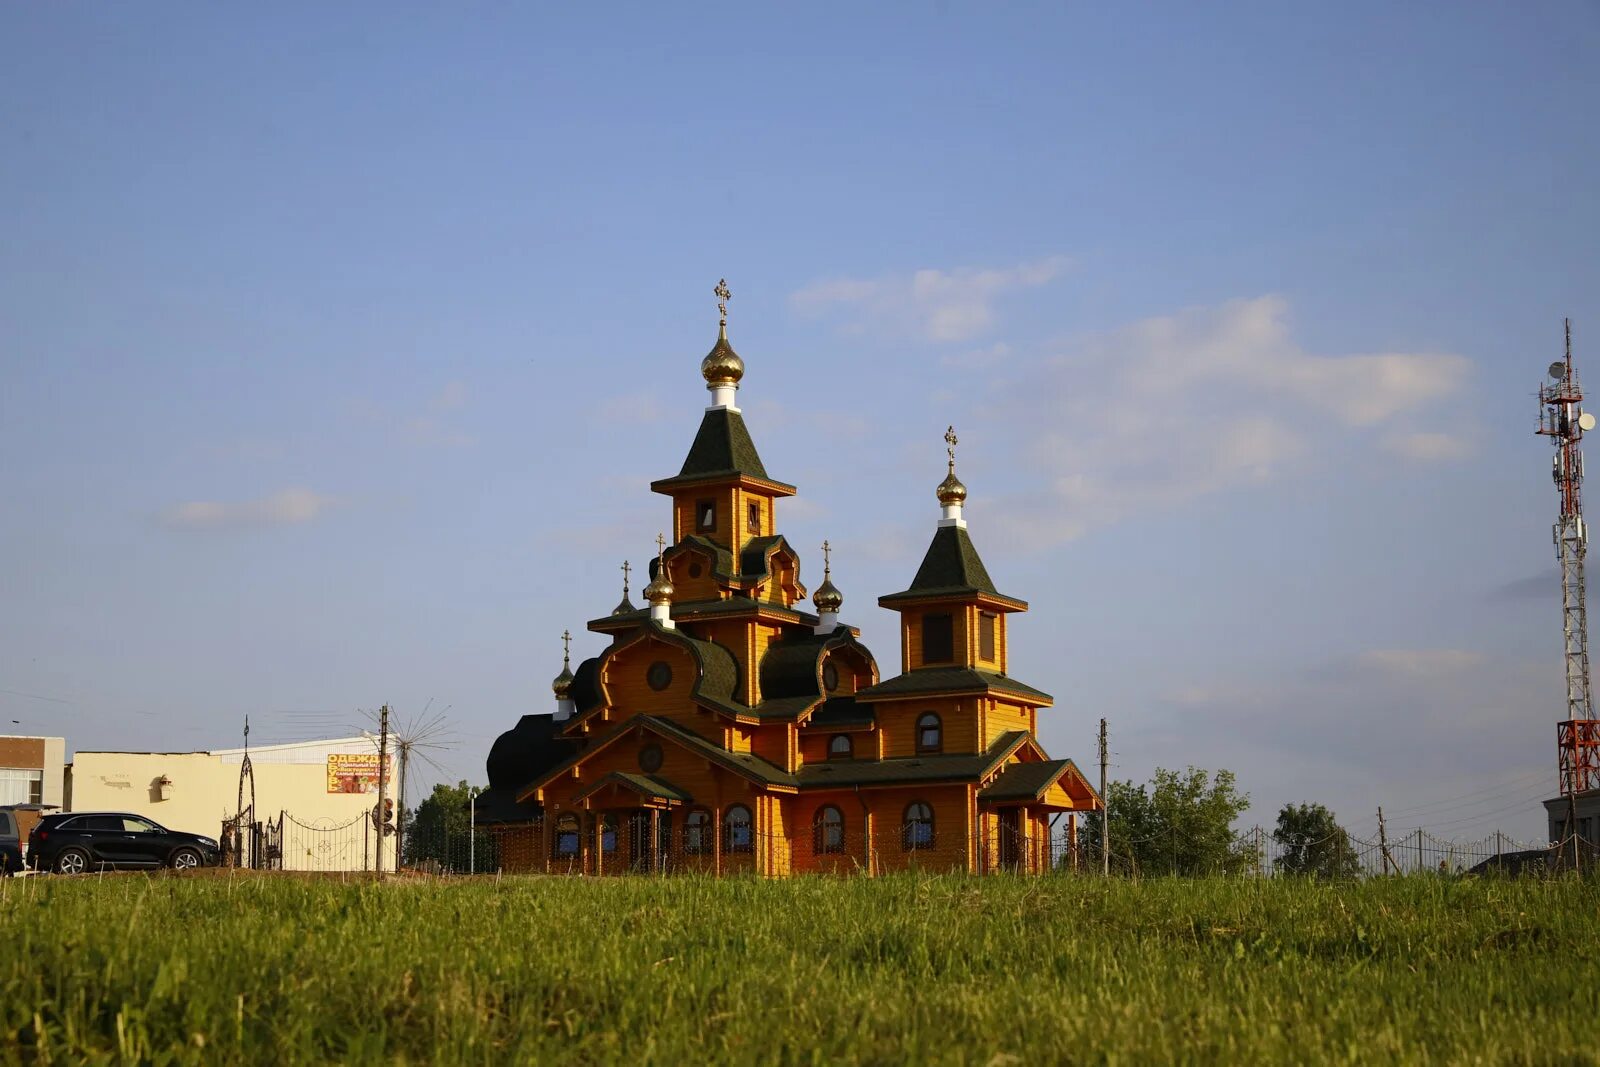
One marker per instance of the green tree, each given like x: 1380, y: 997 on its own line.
x: 1181, y: 823
x: 440, y: 828
x: 1314, y: 843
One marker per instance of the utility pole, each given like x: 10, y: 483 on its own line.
x: 404, y: 746
x: 1105, y: 813
x: 383, y: 778
x: 1383, y: 844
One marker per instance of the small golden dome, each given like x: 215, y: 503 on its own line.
x: 660, y: 590
x: 625, y: 607
x: 722, y: 365
x: 827, y: 598
x: 951, y: 491
x: 563, y: 683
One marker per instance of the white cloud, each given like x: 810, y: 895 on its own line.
x: 288, y: 507
x: 1421, y: 662
x: 1428, y: 447
x: 1439, y: 736
x: 1200, y: 402
x: 931, y: 305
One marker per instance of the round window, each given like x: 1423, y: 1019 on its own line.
x: 830, y: 676
x: 659, y: 675
x: 650, y: 758
x: 694, y: 570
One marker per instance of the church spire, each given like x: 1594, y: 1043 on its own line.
x: 625, y: 605
x: 659, y: 591
x: 722, y: 368
x: 952, y: 494
x: 827, y: 598
x: 562, y: 686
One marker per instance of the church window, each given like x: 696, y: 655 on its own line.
x: 753, y: 518
x: 830, y: 676
x: 659, y: 676
x: 697, y: 832
x: 736, y: 832
x: 930, y: 734
x: 916, y: 832
x: 695, y: 570
x: 938, y: 639
x: 827, y: 830
x: 840, y: 747
x: 608, y: 834
x: 987, y: 622
x: 566, y: 842
x: 705, y: 515
x: 650, y: 758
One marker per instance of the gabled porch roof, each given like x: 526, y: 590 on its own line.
x: 655, y: 792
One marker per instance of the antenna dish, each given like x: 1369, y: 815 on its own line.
x: 1558, y: 370
x: 1586, y: 422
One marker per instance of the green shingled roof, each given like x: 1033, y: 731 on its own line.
x: 835, y: 773
x: 842, y: 712
x: 1025, y: 781
x: 751, y: 766
x: 926, y: 680
x: 643, y: 784
x: 950, y: 568
x: 722, y: 448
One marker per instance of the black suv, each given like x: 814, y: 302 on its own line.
x: 10, y: 845
x: 74, y: 842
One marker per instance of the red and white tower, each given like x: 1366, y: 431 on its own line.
x: 1562, y: 420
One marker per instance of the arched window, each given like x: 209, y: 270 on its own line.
x: 840, y: 747
x: 736, y: 835
x: 697, y: 832
x: 566, y: 840
x: 916, y: 832
x: 827, y: 830
x: 930, y: 735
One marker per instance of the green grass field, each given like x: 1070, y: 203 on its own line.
x: 171, y: 969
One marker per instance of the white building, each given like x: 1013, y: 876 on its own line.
x: 322, y: 793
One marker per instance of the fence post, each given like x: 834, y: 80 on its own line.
x: 1421, y: 865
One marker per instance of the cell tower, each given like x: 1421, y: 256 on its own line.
x: 1560, y: 419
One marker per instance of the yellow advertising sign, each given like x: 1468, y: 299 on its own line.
x: 354, y: 772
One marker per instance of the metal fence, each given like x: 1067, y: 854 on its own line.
x: 634, y: 845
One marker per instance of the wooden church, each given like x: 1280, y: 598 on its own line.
x: 727, y: 729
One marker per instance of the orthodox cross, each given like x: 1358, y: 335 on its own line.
x: 626, y: 568
x: 723, y: 296
x: 661, y: 548
x: 566, y: 648
x: 827, y: 559
x: 950, y: 440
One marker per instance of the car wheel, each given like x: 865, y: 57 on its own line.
x: 185, y: 859
x: 72, y: 861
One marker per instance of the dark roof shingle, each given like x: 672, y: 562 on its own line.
x: 925, y: 680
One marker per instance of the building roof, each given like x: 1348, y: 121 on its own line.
x: 519, y: 755
x: 834, y: 774
x: 925, y: 681
x: 722, y: 449
x: 643, y: 784
x: 743, y: 763
x: 842, y: 713
x: 1025, y: 781
x: 951, y: 568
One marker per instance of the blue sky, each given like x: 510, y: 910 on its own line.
x: 339, y: 348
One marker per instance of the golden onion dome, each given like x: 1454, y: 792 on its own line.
x: 625, y: 607
x: 563, y: 683
x: 660, y: 590
x: 827, y: 598
x: 951, y: 491
x: 722, y: 365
